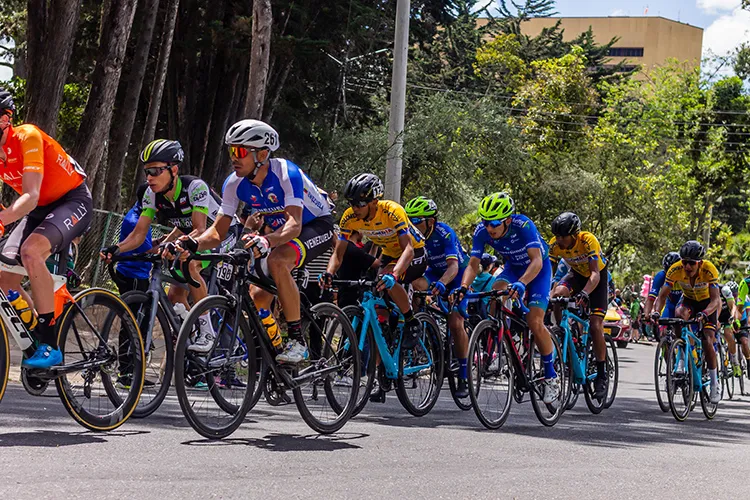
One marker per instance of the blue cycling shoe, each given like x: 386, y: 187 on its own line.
x: 44, y: 357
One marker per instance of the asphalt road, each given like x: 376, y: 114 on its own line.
x: 632, y: 450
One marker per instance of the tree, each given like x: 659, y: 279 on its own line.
x: 50, y: 31
x: 259, y: 57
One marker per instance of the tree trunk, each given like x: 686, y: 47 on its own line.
x: 219, y: 122
x: 256, y: 87
x: 50, y: 36
x: 277, y: 89
x: 157, y: 90
x: 125, y: 117
x: 97, y: 117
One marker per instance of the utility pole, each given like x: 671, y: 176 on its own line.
x: 398, y: 103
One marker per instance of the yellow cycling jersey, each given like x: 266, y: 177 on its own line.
x: 390, y: 222
x: 586, y: 248
x: 698, y: 289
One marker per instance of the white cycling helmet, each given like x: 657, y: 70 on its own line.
x: 252, y: 133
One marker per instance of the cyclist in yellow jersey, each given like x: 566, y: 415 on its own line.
x: 384, y: 223
x: 699, y: 281
x: 586, y: 280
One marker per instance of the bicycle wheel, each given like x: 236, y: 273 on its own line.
x: 491, y: 372
x: 709, y: 408
x: 367, y: 350
x: 660, y: 373
x: 743, y: 366
x: 726, y: 371
x: 215, y: 390
x: 99, y: 338
x: 420, y: 370
x: 4, y: 360
x: 575, y: 391
x: 594, y: 405
x: 548, y: 414
x: 613, y: 372
x: 679, y: 380
x: 450, y: 370
x: 159, y: 353
x: 334, y: 371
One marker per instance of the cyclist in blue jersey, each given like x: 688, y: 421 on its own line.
x: 562, y: 270
x: 659, y: 278
x: 134, y: 275
x: 446, y: 261
x: 298, y: 215
x: 527, y: 271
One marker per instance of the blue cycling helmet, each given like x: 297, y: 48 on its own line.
x: 487, y: 260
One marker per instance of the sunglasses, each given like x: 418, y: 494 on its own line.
x: 358, y: 203
x: 688, y: 262
x: 154, y: 171
x: 494, y: 224
x: 416, y: 220
x: 240, y: 151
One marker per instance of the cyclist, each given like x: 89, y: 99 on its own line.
x: 527, y: 271
x: 54, y: 207
x: 385, y: 223
x: 729, y: 315
x: 446, y: 261
x: 657, y: 283
x: 298, y: 218
x: 184, y: 202
x: 587, y: 280
x: 699, y: 281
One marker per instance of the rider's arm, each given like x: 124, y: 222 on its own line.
x: 649, y: 306
x: 137, y: 236
x: 214, y: 235
x: 535, y: 254
x: 450, y: 273
x: 715, y: 303
x: 404, y: 261
x: 32, y: 184
x: 337, y: 257
x: 291, y: 228
x: 594, y: 278
x: 662, y: 297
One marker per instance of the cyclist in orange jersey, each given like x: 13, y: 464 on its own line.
x: 54, y: 207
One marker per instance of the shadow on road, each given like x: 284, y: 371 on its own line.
x: 289, y: 442
x: 48, y: 439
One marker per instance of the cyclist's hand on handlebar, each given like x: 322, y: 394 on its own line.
x: 387, y: 281
x: 655, y: 315
x: 702, y: 318
x: 107, y: 253
x: 517, y: 290
x: 582, y: 299
x: 459, y: 294
x: 182, y: 248
x: 325, y: 281
x: 260, y: 245
x: 438, y: 288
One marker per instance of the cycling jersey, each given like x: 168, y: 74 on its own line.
x: 29, y: 149
x: 674, y: 296
x: 514, y: 245
x: 743, y: 292
x: 191, y: 194
x: 706, y: 278
x: 285, y: 185
x: 442, y: 246
x: 562, y: 270
x: 390, y: 222
x: 585, y: 249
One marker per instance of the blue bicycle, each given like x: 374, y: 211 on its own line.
x: 417, y: 373
x: 687, y: 371
x: 578, y: 349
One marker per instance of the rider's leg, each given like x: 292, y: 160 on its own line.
x: 745, y: 347
x: 281, y: 262
x: 420, y: 285
x: 34, y: 253
x: 560, y: 290
x: 731, y: 344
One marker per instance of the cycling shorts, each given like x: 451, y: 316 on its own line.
x: 433, y: 276
x: 668, y: 311
x: 415, y: 270
x: 314, y: 239
x: 597, y: 298
x: 59, y: 222
x: 537, y: 292
x: 695, y: 306
x: 725, y: 318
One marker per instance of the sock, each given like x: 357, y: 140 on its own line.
x: 549, y: 367
x: 714, y: 376
x: 207, y: 318
x: 733, y: 357
x: 45, y: 331
x: 408, y: 316
x: 463, y: 368
x: 295, y: 331
x: 601, y: 369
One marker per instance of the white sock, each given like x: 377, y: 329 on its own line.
x: 733, y: 357
x: 207, y: 317
x: 714, y: 376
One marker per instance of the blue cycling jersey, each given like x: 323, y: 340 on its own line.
x: 133, y: 269
x: 513, y: 247
x: 285, y: 185
x: 442, y: 246
x: 562, y: 270
x: 658, y: 282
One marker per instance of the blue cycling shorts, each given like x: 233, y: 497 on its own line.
x: 433, y: 275
x: 537, y: 292
x: 668, y: 311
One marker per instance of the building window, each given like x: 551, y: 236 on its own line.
x: 625, y: 52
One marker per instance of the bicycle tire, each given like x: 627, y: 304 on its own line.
x: 4, y: 360
x: 367, y: 362
x: 569, y: 386
x: 548, y: 414
x: 660, y: 373
x: 709, y: 408
x: 594, y: 405
x: 228, y: 422
x: 152, y: 397
x: 613, y: 372
x: 123, y: 407
x: 433, y: 347
x: 727, y: 372
x: 575, y: 392
x: 743, y: 365
x: 462, y: 403
x: 348, y: 364
x: 683, y: 380
x: 486, y: 345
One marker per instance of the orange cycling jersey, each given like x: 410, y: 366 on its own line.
x: 28, y: 149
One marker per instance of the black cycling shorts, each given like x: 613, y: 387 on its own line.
x: 696, y: 306
x: 415, y: 270
x: 60, y: 222
x: 598, y: 298
x: 725, y: 317
x: 314, y: 239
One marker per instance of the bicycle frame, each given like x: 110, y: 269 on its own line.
x: 695, y: 341
x: 580, y: 363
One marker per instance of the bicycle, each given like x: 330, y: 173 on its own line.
x: 726, y: 372
x: 333, y: 367
x: 505, y: 363
x: 687, y: 374
x: 416, y: 373
x: 660, y: 367
x: 98, y: 336
x: 578, y: 348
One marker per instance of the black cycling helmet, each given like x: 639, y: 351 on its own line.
x: 566, y: 224
x: 169, y: 152
x: 692, y: 250
x: 669, y: 260
x: 6, y: 102
x: 363, y: 187
x: 487, y: 260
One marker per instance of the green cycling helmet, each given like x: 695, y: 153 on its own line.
x: 421, y: 207
x: 496, y: 206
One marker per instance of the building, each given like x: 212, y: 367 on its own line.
x: 644, y: 41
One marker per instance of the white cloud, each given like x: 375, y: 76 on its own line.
x: 619, y: 12
x: 714, y: 6
x: 727, y: 32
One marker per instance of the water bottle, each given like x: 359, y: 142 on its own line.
x: 272, y: 328
x: 22, y: 308
x: 181, y: 311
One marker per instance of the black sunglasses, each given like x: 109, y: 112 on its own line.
x: 358, y: 203
x: 154, y: 171
x: 689, y: 262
